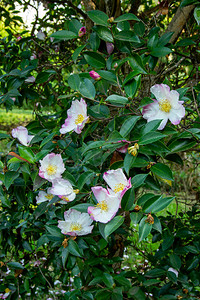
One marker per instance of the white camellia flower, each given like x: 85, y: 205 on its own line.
x: 165, y: 107
x: 40, y: 35
x: 63, y: 189
x: 52, y: 167
x: 43, y: 196
x: 106, y: 207
x: 117, y: 181
x: 76, y: 223
x: 77, y: 117
x: 21, y: 133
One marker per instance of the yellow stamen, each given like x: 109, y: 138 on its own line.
x: 79, y: 119
x: 76, y: 191
x: 65, y: 198
x: 103, y: 205
x: 76, y: 226
x: 165, y: 105
x: 7, y: 290
x: 119, y: 187
x: 51, y: 170
x: 49, y: 196
x: 133, y: 149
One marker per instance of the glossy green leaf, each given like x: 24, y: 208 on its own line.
x: 116, y: 99
x: 136, y: 217
x: 175, y: 261
x: 160, y: 51
x: 84, y: 178
x: 94, y: 59
x: 87, y: 89
x: 156, y: 204
x: 128, y: 125
x: 138, y: 180
x: 15, y: 265
x: 150, y: 137
x: 74, y: 249
x: 77, y: 52
x: 126, y: 17
x: 74, y: 81
x: 144, y: 229
x: 128, y: 199
x: 98, y: 17
x: 111, y: 226
x: 9, y: 178
x: 162, y: 171
x: 127, y: 36
x: 26, y: 153
x: 104, y: 34
x: 64, y: 35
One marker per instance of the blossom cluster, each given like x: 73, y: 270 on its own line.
x: 108, y: 200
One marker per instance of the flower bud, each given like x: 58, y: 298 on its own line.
x: 82, y: 31
x: 109, y: 47
x: 95, y: 75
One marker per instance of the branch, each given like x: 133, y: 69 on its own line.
x: 179, y: 20
x: 64, y: 2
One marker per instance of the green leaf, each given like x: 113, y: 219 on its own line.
x: 54, y: 230
x: 108, y: 75
x: 15, y: 265
x: 94, y: 41
x: 136, y: 217
x: 142, y: 200
x: 82, y: 207
x: 144, y: 229
x: 181, y: 145
x: 116, y: 99
x: 138, y: 180
x: 128, y: 125
x: 77, y: 52
x: 137, y: 293
x: 98, y: 17
x: 127, y: 36
x: 175, y: 261
x: 108, y: 280
x: 74, y: 82
x: 26, y: 153
x: 9, y: 178
x: 75, y: 26
x: 128, y: 161
x: 74, y: 249
x: 111, y: 226
x: 150, y: 137
x: 128, y: 199
x: 160, y: 51
x: 151, y: 126
x: 188, y: 2
x: 4, y: 136
x: 155, y: 273
x: 126, y: 17
x: 167, y: 242
x: 94, y: 59
x: 93, y: 145
x: 131, y: 88
x: 64, y: 255
x: 87, y: 89
x: 84, y: 178
x: 156, y: 204
x: 64, y: 35
x: 145, y: 101
x: 136, y: 63
x: 43, y: 77
x: 151, y: 282
x: 162, y: 171
x: 104, y: 34
x: 157, y: 224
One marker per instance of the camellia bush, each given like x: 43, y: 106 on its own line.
x: 114, y: 105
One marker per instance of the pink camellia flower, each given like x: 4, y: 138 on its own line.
x: 109, y: 47
x: 76, y: 223
x: 95, y: 75
x: 77, y: 117
x: 21, y: 133
x: 33, y: 56
x: 117, y: 181
x: 106, y: 207
x: 166, y: 106
x: 63, y: 189
x: 44, y: 196
x: 52, y: 167
x: 82, y: 31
